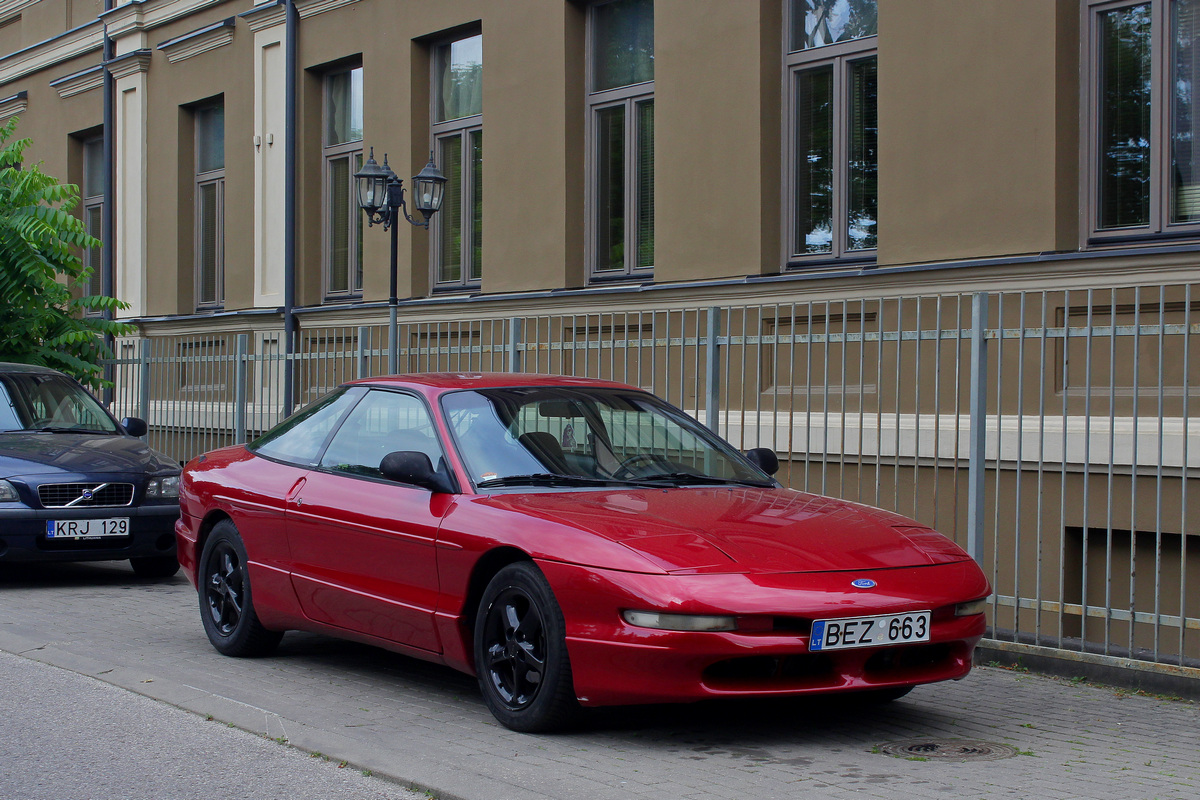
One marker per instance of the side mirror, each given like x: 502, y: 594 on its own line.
x: 414, y: 468
x: 764, y: 458
x: 134, y: 426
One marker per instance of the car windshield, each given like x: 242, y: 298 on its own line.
x: 32, y: 401
x: 591, y: 436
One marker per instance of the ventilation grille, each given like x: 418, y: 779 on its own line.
x: 85, y: 495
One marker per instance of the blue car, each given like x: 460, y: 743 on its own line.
x: 76, y: 485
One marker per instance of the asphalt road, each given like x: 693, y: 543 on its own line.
x: 63, y: 735
x: 1022, y: 736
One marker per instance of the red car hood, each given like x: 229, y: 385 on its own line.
x: 742, y: 529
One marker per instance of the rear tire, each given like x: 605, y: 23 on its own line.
x: 521, y: 652
x: 154, y: 566
x: 226, y: 600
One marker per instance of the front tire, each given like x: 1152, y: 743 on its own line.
x: 226, y: 600
x: 521, y: 652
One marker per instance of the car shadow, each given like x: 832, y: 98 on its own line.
x: 77, y: 574
x: 340, y: 656
x: 731, y: 726
x: 737, y: 726
x: 734, y: 726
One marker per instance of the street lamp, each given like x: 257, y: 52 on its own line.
x: 381, y: 197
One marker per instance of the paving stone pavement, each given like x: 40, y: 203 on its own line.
x: 426, y: 726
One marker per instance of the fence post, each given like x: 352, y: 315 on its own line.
x: 239, y: 388
x: 977, y: 463
x: 712, y: 376
x: 364, y: 340
x: 393, y: 342
x: 514, y: 344
x: 144, y: 383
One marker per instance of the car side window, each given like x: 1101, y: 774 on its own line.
x: 8, y: 412
x: 384, y: 422
x: 299, y: 439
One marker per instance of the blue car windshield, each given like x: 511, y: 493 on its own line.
x: 31, y: 401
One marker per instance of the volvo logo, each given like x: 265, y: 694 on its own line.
x: 863, y: 583
x: 87, y: 494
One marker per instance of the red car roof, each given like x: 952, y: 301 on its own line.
x: 483, y: 380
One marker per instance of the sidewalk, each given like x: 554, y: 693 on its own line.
x: 426, y: 726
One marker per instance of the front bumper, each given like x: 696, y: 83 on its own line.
x: 151, y: 533
x: 614, y: 663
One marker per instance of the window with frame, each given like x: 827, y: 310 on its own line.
x: 832, y: 136
x: 210, y: 206
x: 458, y: 143
x: 383, y: 422
x: 342, y: 155
x: 1143, y: 175
x: 91, y: 191
x: 620, y: 107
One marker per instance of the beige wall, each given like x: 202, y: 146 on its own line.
x: 533, y: 146
x: 716, y: 100
x: 976, y: 135
x: 172, y: 89
x: 50, y: 121
x: 44, y: 20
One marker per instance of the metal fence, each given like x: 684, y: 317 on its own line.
x: 1050, y: 432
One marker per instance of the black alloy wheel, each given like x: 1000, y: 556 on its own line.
x: 516, y: 649
x: 521, y: 654
x: 226, y: 606
x: 223, y: 588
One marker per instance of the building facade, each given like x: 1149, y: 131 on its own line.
x: 654, y: 148
x: 789, y: 216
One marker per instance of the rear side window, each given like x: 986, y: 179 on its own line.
x: 299, y: 439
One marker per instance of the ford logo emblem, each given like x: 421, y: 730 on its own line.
x: 863, y: 583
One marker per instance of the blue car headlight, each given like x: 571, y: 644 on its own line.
x: 163, y: 488
x: 8, y: 492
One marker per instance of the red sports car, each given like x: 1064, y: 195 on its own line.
x: 571, y: 542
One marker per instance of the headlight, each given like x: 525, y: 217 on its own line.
x: 163, y: 488
x: 971, y: 608
x: 8, y: 492
x: 679, y: 622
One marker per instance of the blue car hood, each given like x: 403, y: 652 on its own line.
x: 24, y: 454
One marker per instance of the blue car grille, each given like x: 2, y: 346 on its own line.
x: 85, y: 495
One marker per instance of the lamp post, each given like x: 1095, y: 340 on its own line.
x: 381, y: 197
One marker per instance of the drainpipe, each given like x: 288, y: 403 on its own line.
x: 291, y: 58
x: 108, y: 220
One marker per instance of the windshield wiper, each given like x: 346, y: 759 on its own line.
x: 692, y: 477
x: 57, y: 429
x: 549, y: 479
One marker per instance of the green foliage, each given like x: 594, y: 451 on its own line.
x: 43, y: 317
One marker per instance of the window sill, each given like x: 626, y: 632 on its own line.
x: 858, y: 262
x: 623, y: 278
x: 460, y: 290
x: 1142, y: 239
